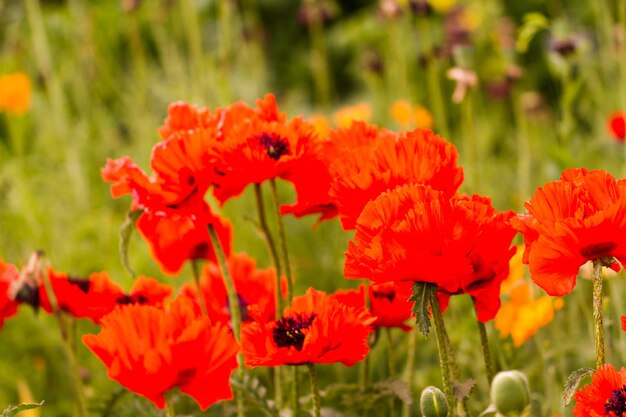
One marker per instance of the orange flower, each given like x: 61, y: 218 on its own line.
x: 315, y: 329
x: 409, y: 116
x: 8, y: 306
x: 605, y: 396
x: 345, y: 116
x: 15, y: 91
x: 415, y: 233
x: 617, y: 126
x: 152, y: 350
x: 418, y: 156
x: 256, y: 289
x: 580, y: 218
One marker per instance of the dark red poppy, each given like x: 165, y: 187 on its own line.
x: 605, y: 396
x: 580, y: 218
x: 417, y: 234
x: 315, y: 329
x: 152, y: 350
x: 418, y: 156
x: 617, y: 126
x: 256, y: 289
x: 8, y: 306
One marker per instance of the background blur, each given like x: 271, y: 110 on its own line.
x: 541, y: 79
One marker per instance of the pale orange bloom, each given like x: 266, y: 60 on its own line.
x: 357, y: 112
x: 15, y: 91
x: 320, y: 124
x: 516, y: 272
x: 409, y: 116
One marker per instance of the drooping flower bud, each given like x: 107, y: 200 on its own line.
x: 510, y: 393
x: 433, y: 402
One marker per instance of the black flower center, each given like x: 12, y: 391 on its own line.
x: 83, y: 284
x: 288, y: 330
x: 131, y: 299
x: 275, y: 145
x: 598, y: 250
x: 389, y: 294
x: 616, y: 402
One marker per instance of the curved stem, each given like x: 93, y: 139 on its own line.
x: 484, y: 344
x: 444, y: 362
x: 597, y: 312
x: 195, y: 268
x: 282, y: 238
x: 315, y: 390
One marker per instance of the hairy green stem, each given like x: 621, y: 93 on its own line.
x: 295, y: 392
x: 391, y: 362
x: 444, y: 362
x: 282, y: 238
x: 484, y: 344
x: 195, y: 268
x: 315, y: 390
x: 597, y: 312
x: 410, y: 367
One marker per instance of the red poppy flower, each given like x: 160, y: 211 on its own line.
x: 352, y: 297
x: 418, y: 156
x: 580, y: 218
x: 8, y: 306
x: 151, y: 350
x: 415, y: 233
x: 176, y: 236
x: 256, y: 289
x: 315, y: 329
x: 389, y: 302
x: 148, y: 291
x: 91, y: 298
x: 617, y: 126
x: 605, y: 396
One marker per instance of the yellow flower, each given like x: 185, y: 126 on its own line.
x: 516, y: 271
x: 346, y: 115
x: 408, y: 116
x: 442, y: 6
x: 15, y: 90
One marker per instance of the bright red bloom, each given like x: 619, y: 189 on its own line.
x: 151, y: 350
x: 389, y: 302
x: 415, y: 233
x: 418, y: 156
x: 176, y: 237
x: 315, y: 329
x: 256, y: 289
x: 605, y: 396
x: 8, y: 306
x: 147, y: 291
x: 580, y: 218
x: 617, y: 126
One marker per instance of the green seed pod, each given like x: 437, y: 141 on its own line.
x: 509, y: 393
x: 433, y: 403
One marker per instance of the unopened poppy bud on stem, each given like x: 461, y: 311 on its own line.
x: 510, y: 393
x: 433, y: 402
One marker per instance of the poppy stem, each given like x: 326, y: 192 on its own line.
x: 315, y: 390
x: 444, y: 362
x: 282, y: 238
x: 596, y: 280
x: 319, y: 60
x: 233, y: 303
x: 195, y: 268
x: 271, y: 245
x: 392, y: 369
x: 169, y: 409
x: 484, y: 344
x: 295, y: 392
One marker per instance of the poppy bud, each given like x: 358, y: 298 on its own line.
x: 433, y: 402
x: 509, y: 393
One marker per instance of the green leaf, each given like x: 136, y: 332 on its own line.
x: 126, y: 230
x: 462, y: 390
x: 11, y: 411
x: 421, y: 295
x: 533, y: 24
x: 573, y: 381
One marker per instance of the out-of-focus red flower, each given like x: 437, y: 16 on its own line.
x: 580, y: 218
x: 389, y: 302
x: 152, y: 350
x: 415, y: 233
x: 8, y: 306
x: 315, y: 329
x: 92, y: 298
x: 176, y: 237
x: 605, y: 396
x: 617, y: 126
x: 256, y: 289
x: 148, y: 291
x: 418, y: 156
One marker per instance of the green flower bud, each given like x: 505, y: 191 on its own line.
x: 433, y: 403
x: 509, y: 393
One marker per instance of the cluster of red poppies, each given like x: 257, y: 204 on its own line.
x: 397, y: 190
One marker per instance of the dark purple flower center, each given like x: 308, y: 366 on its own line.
x: 598, y: 250
x: 389, y: 294
x: 616, y: 402
x: 83, y: 284
x: 243, y: 308
x: 275, y: 145
x: 131, y: 299
x: 288, y: 330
